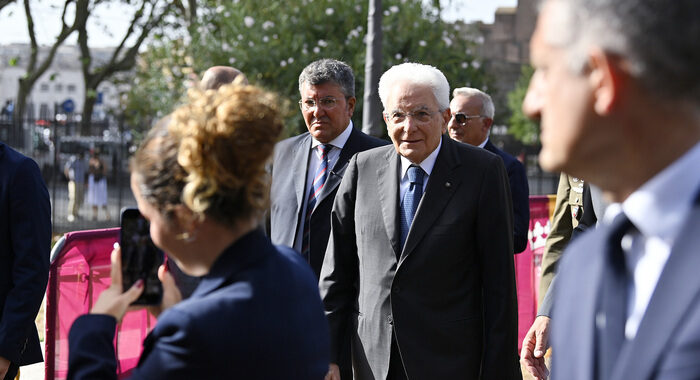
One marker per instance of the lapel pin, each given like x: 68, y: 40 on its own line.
x: 448, y: 185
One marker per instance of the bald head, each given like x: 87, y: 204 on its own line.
x: 218, y: 76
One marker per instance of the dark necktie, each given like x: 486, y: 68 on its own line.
x: 316, y: 186
x: 411, y: 199
x: 611, y: 315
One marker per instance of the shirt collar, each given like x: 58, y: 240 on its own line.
x: 338, y: 142
x: 660, y: 206
x: 483, y: 144
x: 427, y: 164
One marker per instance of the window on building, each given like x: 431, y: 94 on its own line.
x: 58, y: 87
x: 70, y: 88
x: 44, y: 87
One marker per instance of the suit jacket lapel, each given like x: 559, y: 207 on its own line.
x: 300, y: 157
x: 388, y: 188
x: 441, y: 186
x: 335, y: 175
x: 676, y: 290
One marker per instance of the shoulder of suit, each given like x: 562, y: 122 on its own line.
x: 380, y: 152
x: 290, y: 141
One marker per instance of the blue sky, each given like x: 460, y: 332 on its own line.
x: 46, y: 13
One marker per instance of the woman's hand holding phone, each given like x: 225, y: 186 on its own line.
x: 114, y: 300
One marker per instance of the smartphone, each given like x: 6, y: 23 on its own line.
x: 140, y: 257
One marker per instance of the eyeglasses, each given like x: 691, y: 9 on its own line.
x: 327, y: 103
x: 463, y: 119
x: 398, y: 117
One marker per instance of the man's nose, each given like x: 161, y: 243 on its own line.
x: 532, y: 104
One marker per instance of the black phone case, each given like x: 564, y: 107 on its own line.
x: 140, y: 257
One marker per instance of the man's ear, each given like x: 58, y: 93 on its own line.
x: 488, y: 122
x: 446, y: 116
x: 607, y: 78
x: 351, y: 105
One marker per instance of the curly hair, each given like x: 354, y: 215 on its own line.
x: 211, y: 153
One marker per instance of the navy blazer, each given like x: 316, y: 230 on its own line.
x: 288, y: 191
x: 25, y: 244
x: 520, y: 192
x: 256, y: 315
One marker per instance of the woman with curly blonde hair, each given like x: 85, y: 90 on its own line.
x: 200, y: 178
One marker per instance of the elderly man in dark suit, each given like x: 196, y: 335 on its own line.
x: 617, y: 89
x: 472, y: 118
x: 25, y: 241
x: 307, y: 169
x: 419, y: 265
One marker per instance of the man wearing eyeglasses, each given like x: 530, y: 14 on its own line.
x: 472, y: 117
x: 419, y: 266
x: 307, y: 169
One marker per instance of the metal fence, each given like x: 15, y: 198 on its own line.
x: 51, y: 144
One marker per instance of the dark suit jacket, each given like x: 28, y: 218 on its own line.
x: 25, y: 243
x: 520, y: 192
x: 667, y: 344
x: 256, y: 315
x: 289, y: 190
x: 450, y: 299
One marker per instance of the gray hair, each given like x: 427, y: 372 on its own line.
x: 417, y: 74
x: 487, y: 107
x: 329, y: 70
x: 657, y: 38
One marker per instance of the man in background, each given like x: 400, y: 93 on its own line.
x: 217, y: 76
x: 307, y: 169
x: 472, y: 118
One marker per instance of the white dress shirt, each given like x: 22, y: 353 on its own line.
x: 658, y: 209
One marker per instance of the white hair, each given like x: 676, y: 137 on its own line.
x: 658, y: 39
x: 419, y: 75
x: 487, y: 107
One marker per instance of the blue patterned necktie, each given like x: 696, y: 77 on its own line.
x: 316, y: 186
x: 411, y: 199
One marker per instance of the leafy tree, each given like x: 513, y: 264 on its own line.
x: 521, y: 127
x: 148, y: 15
x: 272, y: 41
x: 36, y: 66
x: 3, y: 3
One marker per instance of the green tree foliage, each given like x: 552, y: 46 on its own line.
x: 521, y: 127
x: 271, y: 41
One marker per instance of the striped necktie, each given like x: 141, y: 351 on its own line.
x: 315, y: 190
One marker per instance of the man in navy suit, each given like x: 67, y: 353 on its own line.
x: 327, y: 89
x: 617, y: 90
x: 472, y: 118
x: 25, y: 242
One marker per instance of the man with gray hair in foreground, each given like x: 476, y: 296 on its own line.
x: 419, y: 265
x: 617, y: 89
x: 471, y: 121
